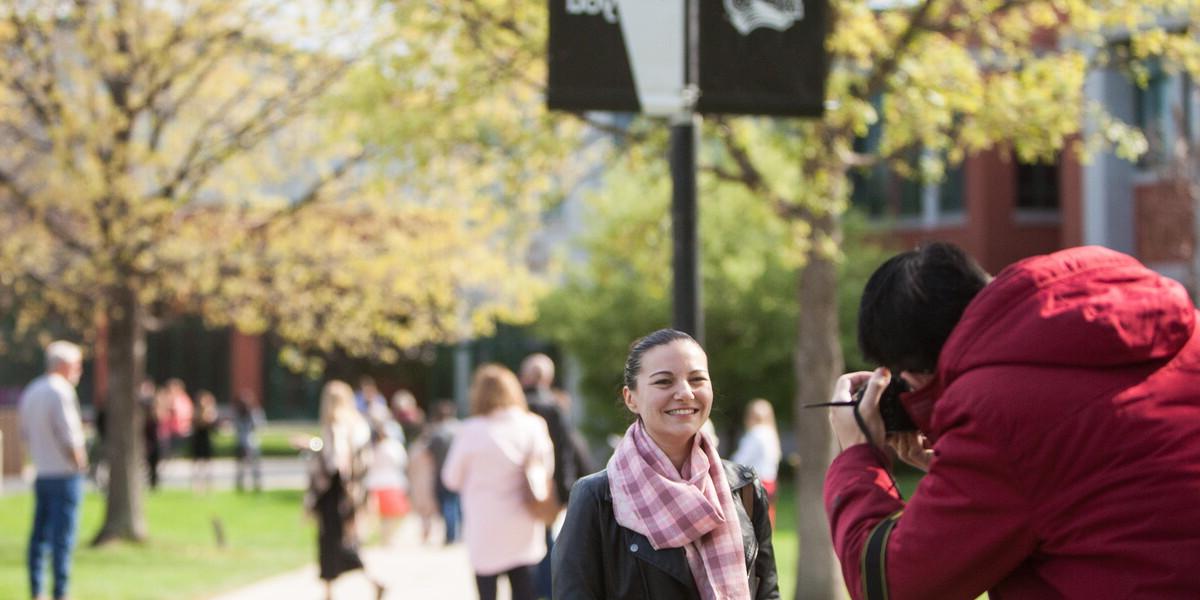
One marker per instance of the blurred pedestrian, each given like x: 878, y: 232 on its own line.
x: 442, y: 428
x: 53, y: 433
x: 204, y: 424
x: 537, y: 377
x: 581, y: 452
x: 408, y: 413
x: 151, y: 428
x: 336, y: 495
x: 667, y: 518
x: 487, y: 465
x: 248, y: 418
x: 379, y: 415
x: 97, y: 454
x: 367, y: 394
x: 166, y: 426
x: 759, y: 447
x: 386, y: 482
x: 180, y: 414
x: 422, y: 484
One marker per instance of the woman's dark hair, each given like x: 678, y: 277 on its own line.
x: 633, y: 362
x: 912, y: 302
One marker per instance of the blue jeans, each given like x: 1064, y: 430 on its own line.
x: 55, y: 519
x: 451, y: 514
x: 543, y: 573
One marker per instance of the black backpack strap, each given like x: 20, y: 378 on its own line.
x: 874, y: 559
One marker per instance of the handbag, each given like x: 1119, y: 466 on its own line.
x: 540, y: 498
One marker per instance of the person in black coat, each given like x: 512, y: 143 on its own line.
x: 595, y: 557
x: 537, y: 376
x: 656, y: 523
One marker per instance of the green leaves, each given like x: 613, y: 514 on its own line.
x: 268, y: 167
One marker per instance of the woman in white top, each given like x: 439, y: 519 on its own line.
x: 386, y: 482
x: 759, y: 447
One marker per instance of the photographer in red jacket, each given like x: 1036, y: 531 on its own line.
x: 1058, y: 410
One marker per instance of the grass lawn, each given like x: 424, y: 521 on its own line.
x: 266, y: 534
x: 274, y: 440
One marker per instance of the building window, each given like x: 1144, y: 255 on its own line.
x: 1038, y: 186
x: 1161, y: 103
x: 952, y: 191
x: 1152, y: 112
x: 869, y: 185
x: 883, y: 194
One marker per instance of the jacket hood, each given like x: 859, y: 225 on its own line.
x: 1087, y: 307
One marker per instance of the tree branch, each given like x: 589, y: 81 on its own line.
x: 26, y: 204
x: 883, y: 70
x: 204, y: 154
x: 311, y: 195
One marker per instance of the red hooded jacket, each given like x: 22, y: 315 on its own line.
x: 1066, y: 425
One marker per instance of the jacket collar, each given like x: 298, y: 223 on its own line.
x: 920, y: 403
x: 738, y: 476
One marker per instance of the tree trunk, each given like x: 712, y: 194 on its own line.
x: 818, y: 363
x: 123, y: 518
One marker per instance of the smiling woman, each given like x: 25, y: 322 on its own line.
x: 669, y: 390
x: 668, y: 518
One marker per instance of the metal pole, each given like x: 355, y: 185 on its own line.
x: 462, y: 376
x: 686, y: 263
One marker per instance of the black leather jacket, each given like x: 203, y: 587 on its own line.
x: 594, y: 558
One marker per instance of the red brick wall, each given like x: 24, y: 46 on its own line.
x: 992, y: 233
x: 1163, y: 223
x: 246, y: 364
x: 1071, y: 198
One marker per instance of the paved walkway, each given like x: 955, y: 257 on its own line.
x: 176, y: 473
x: 409, y: 570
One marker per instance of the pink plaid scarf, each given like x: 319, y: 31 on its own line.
x: 685, y: 509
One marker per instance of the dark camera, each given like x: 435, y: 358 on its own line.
x: 895, y: 417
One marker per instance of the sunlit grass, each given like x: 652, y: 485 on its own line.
x: 265, y: 534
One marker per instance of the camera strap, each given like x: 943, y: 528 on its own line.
x: 862, y: 426
x: 874, y: 559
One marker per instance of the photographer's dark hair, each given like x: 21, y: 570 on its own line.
x: 633, y: 362
x: 912, y: 302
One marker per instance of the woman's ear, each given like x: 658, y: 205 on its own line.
x: 630, y: 403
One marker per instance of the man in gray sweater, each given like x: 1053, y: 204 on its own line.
x: 49, y: 413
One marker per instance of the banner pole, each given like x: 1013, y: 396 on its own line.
x: 688, y: 315
x: 685, y: 128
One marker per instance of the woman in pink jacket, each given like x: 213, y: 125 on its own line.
x: 486, y: 465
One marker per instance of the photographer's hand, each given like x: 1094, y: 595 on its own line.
x: 910, y: 448
x: 845, y: 426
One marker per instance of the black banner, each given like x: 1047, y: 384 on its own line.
x: 763, y: 57
x: 589, y: 67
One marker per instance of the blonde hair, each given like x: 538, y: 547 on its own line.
x: 337, y: 403
x: 760, y: 412
x: 495, y: 387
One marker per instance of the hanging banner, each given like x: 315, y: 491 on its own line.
x: 747, y: 56
x: 617, y: 55
x: 763, y: 57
